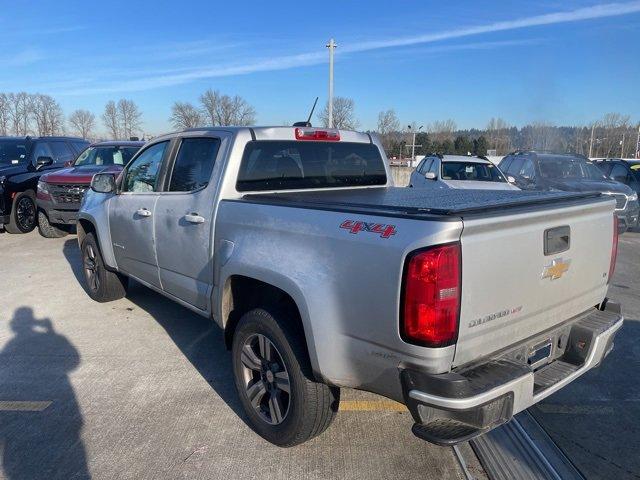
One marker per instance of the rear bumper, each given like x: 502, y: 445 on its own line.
x: 454, y: 407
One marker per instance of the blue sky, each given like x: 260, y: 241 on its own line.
x: 567, y: 62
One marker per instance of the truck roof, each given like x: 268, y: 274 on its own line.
x: 278, y: 132
x: 118, y: 143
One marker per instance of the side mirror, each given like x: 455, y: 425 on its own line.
x: 511, y: 179
x: 430, y: 176
x: 43, y: 162
x: 103, y: 183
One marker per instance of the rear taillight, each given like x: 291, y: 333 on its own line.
x: 431, y: 296
x: 614, y: 249
x: 315, y: 134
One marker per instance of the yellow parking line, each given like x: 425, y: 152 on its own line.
x: 371, y: 406
x: 18, y: 406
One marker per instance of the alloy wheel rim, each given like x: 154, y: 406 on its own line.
x: 25, y: 213
x: 91, y: 268
x: 265, y: 379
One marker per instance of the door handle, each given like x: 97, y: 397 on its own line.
x: 143, y: 212
x: 193, y: 218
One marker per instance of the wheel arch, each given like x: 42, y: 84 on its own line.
x: 242, y: 293
x: 87, y: 224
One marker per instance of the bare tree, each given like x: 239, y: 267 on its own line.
x: 610, y: 132
x: 129, y: 117
x: 442, y: 130
x: 343, y: 114
x: 47, y: 114
x: 219, y: 109
x: 497, y: 130
x: 110, y: 119
x: 5, y: 122
x: 185, y: 115
x: 82, y: 122
x: 19, y: 112
x: 388, y: 128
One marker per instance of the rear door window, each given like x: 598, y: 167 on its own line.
x: 286, y: 165
x: 194, y: 164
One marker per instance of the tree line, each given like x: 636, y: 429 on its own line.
x: 612, y: 135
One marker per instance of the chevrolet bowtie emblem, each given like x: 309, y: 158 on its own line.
x: 557, y: 268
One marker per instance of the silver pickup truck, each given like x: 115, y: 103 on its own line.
x: 468, y: 306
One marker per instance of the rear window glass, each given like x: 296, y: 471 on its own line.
x: 284, y: 165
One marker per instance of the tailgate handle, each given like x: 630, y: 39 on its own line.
x: 557, y: 240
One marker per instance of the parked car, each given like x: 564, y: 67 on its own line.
x: 22, y: 161
x: 622, y: 170
x: 573, y: 173
x: 60, y: 192
x: 323, y: 275
x: 457, y: 171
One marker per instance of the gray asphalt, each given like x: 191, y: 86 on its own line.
x: 596, y: 419
x: 141, y: 388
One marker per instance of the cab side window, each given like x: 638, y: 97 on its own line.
x: 41, y: 149
x: 194, y: 164
x: 619, y: 174
x: 61, y: 152
x: 142, y: 174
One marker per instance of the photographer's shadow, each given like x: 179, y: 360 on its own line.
x: 40, y: 432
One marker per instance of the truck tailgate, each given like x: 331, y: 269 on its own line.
x: 512, y: 290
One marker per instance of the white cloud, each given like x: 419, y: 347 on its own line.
x: 155, y: 79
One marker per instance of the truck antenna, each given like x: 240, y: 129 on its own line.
x: 308, y: 122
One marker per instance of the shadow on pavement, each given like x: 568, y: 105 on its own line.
x: 39, y: 439
x: 199, y: 339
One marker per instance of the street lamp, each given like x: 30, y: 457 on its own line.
x: 413, y: 143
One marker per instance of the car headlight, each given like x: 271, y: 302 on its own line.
x: 633, y: 197
x: 43, y: 187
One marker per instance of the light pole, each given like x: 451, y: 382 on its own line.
x: 331, y: 46
x: 591, y: 141
x: 413, y: 142
x: 638, y: 144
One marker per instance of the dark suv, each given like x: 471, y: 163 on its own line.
x: 573, y: 173
x: 622, y: 170
x: 60, y: 192
x: 22, y: 161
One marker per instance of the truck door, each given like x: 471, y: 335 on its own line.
x: 131, y: 214
x: 184, y: 221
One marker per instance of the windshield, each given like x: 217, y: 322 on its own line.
x: 479, y: 172
x: 13, y: 152
x: 282, y: 165
x: 113, y: 155
x: 570, y: 169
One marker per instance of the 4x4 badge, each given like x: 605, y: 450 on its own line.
x: 356, y: 226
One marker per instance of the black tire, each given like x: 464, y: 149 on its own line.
x: 23, y: 218
x: 101, y: 284
x: 311, y: 406
x: 48, y: 230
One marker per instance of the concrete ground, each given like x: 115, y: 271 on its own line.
x: 142, y: 388
x: 596, y: 419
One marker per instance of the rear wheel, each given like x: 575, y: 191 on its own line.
x: 23, y: 213
x: 102, y: 285
x: 48, y: 230
x: 283, y: 402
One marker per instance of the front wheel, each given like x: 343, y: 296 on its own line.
x: 102, y: 285
x: 283, y: 402
x: 23, y: 213
x: 47, y: 229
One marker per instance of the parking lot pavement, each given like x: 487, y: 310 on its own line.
x: 142, y: 388
x: 596, y: 419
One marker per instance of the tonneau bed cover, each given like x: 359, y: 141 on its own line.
x: 410, y: 201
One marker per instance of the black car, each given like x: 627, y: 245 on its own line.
x: 622, y: 170
x: 573, y: 173
x: 22, y: 161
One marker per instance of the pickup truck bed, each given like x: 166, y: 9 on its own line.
x: 397, y: 201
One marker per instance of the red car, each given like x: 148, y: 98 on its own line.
x: 60, y: 192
